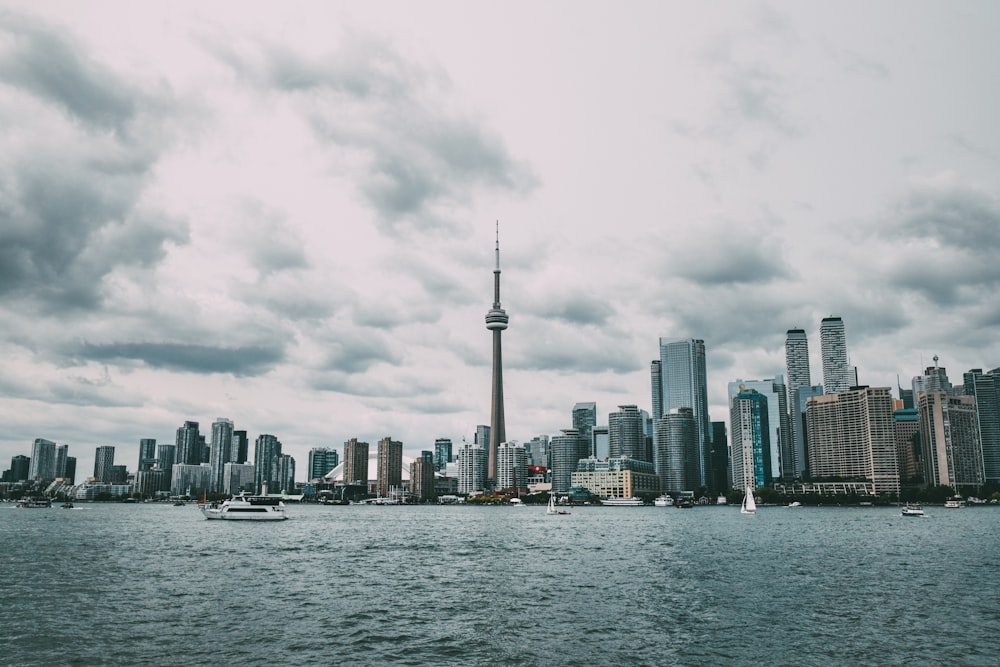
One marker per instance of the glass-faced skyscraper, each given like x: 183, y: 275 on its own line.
x: 685, y: 385
x: 837, y: 373
x: 584, y: 421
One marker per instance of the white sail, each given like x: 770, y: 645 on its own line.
x: 749, y: 505
x: 552, y: 504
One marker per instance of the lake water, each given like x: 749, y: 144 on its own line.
x: 154, y: 584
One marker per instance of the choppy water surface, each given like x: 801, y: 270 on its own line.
x: 158, y: 585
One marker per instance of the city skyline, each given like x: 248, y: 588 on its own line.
x: 287, y: 219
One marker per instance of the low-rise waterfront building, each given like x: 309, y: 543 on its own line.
x: 618, y: 477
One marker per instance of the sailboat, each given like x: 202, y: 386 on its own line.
x: 749, y: 505
x: 552, y: 506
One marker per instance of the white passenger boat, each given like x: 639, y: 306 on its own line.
x: 912, y: 510
x: 247, y: 508
x: 623, y: 502
x: 663, y: 501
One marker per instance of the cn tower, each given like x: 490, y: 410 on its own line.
x: 496, y: 321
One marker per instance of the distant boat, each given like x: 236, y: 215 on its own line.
x: 34, y: 503
x: 795, y: 504
x: 954, y: 502
x: 623, y: 502
x: 516, y: 502
x: 663, y: 501
x: 749, y: 505
x: 247, y: 508
x: 912, y: 509
x: 552, y: 506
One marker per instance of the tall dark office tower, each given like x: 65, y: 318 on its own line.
x: 389, y: 475
x: 584, y: 421
x: 837, y: 373
x: 266, y: 455
x: 675, y: 443
x: 356, y: 462
x: 222, y: 451
x: 685, y: 385
x: 241, y: 446
x: 70, y: 473
x: 188, y: 444
x: 627, y: 433
x: 20, y: 468
x: 286, y: 473
x: 104, y: 461
x: 147, y: 454
x: 62, y: 453
x: 496, y: 321
x: 567, y: 450
x: 442, y: 453
x: 43, y: 460
x: 986, y: 389
x: 656, y: 380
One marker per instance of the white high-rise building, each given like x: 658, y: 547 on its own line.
x: 472, y: 465
x: 838, y: 376
x: 512, y: 466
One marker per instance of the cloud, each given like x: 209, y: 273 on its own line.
x: 72, y: 176
x: 737, y: 254
x: 52, y: 65
x: 353, y: 351
x: 422, y: 158
x: 951, y: 233
x: 239, y: 361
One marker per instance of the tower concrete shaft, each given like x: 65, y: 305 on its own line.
x: 496, y: 321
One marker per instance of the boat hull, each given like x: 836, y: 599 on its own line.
x: 223, y: 515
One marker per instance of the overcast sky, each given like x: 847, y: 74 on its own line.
x: 284, y: 213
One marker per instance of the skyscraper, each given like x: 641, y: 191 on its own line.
x: 188, y: 444
x: 567, y: 450
x: 949, y: 435
x: 797, y: 367
x: 62, y: 454
x: 389, y: 476
x: 656, y: 382
x: 147, y: 454
x: 472, y: 464
x: 43, y: 460
x: 321, y: 461
x: 222, y: 451
x: 627, y: 433
x: 267, y: 466
x: 985, y: 387
x: 512, y: 466
x: 781, y: 464
x: 796, y: 361
x: 496, y: 321
x: 674, y: 449
x: 852, y: 435
x: 685, y: 385
x: 750, y: 438
x: 584, y: 421
x: 104, y: 461
x: 356, y: 462
x: 837, y: 373
x: 442, y: 453
x: 166, y: 457
x: 421, y: 479
x: 241, y: 446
